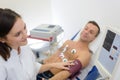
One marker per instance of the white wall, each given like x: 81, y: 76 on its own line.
x: 34, y: 12
x: 74, y: 14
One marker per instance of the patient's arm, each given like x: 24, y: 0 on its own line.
x: 73, y: 70
x: 63, y: 75
x: 85, y: 58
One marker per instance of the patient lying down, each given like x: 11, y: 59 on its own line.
x: 76, y: 51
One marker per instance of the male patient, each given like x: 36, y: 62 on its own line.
x: 76, y: 51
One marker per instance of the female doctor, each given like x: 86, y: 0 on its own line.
x: 17, y: 62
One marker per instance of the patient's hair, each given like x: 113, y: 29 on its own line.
x: 95, y: 23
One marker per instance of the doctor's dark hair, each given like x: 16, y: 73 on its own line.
x: 8, y: 18
x: 95, y: 23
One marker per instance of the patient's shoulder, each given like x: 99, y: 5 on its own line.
x: 68, y: 41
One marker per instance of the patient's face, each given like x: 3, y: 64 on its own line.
x: 89, y: 33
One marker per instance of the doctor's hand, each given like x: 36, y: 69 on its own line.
x: 62, y: 65
x: 59, y: 65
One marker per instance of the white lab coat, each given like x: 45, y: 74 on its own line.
x: 19, y: 67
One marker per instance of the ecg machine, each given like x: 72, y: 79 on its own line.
x: 46, y: 32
